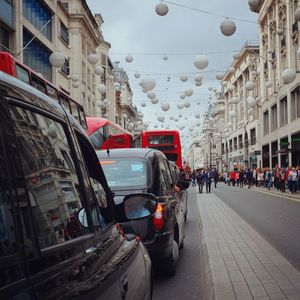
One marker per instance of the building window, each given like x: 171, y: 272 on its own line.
x: 283, y: 111
x: 66, y: 67
x: 7, y: 12
x: 230, y: 146
x: 64, y: 33
x: 38, y: 14
x: 36, y: 56
x: 295, y: 104
x: 4, y: 39
x: 235, y: 143
x: 274, y: 123
x: 241, y: 141
x: 252, y: 136
x: 266, y: 122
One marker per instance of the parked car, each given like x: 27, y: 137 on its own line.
x: 58, y: 232
x: 147, y: 170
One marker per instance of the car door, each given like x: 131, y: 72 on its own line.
x: 179, y: 199
x: 62, y: 258
x: 131, y: 265
x: 13, y: 281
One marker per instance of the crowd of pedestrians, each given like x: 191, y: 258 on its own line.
x: 282, y: 179
x: 204, y: 178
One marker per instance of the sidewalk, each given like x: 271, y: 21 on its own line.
x: 274, y: 191
x: 243, y: 264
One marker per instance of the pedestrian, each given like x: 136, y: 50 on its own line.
x: 293, y: 180
x: 216, y: 178
x: 207, y: 180
x: 282, y: 179
x: 249, y: 177
x: 242, y: 177
x: 232, y: 177
x: 200, y: 181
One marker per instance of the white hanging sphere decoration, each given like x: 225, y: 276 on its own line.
x: 235, y: 100
x: 165, y: 106
x: 143, y: 104
x: 165, y: 57
x: 180, y: 105
x: 251, y: 101
x: 124, y: 116
x: 171, y: 118
x: 180, y: 116
x: 151, y: 95
x: 219, y: 76
x: 249, y: 86
x: 155, y: 126
x: 231, y: 70
x: 232, y: 114
x: 197, y: 116
x: 105, y: 101
x: 99, y: 103
x: 210, y: 88
x: 224, y: 83
x: 188, y: 92
x: 161, y: 118
x: 101, y: 88
x: 288, y: 75
x: 93, y: 58
x: 231, y: 87
x: 187, y: 104
x: 137, y: 75
x: 269, y: 84
x: 117, y: 85
x: 228, y: 27
x: 148, y: 84
x: 74, y: 77
x: 198, y: 83
x: 129, y: 58
x: 99, y: 70
x: 253, y: 4
x: 235, y: 55
x: 198, y: 78
x: 297, y: 14
x: 57, y: 59
x: 161, y: 9
x: 154, y: 101
x: 130, y: 125
x: 182, y: 96
x: 75, y: 84
x: 184, y: 78
x: 201, y: 62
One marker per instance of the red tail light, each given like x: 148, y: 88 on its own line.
x: 158, y: 220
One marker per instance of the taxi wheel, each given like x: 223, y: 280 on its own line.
x: 171, y: 261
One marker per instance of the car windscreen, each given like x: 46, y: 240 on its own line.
x: 125, y: 173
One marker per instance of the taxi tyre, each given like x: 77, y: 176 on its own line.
x: 171, y: 261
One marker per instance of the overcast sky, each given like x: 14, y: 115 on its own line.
x: 133, y: 27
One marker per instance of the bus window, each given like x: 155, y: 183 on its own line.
x: 22, y: 74
x: 52, y: 92
x: 82, y: 118
x: 161, y: 139
x: 64, y: 102
x: 38, y: 83
x: 74, y: 110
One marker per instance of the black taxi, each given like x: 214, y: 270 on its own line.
x: 59, y: 237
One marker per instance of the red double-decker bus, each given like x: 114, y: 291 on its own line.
x: 11, y: 66
x: 104, y: 134
x: 167, y: 141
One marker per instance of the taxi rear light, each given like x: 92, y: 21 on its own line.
x: 107, y: 162
x: 158, y: 219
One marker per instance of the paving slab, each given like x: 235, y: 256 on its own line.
x: 243, y: 264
